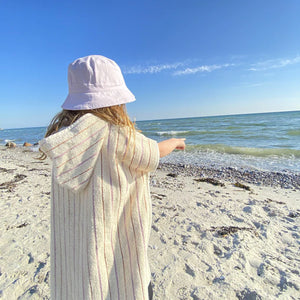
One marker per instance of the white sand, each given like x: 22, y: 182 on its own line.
x: 190, y: 255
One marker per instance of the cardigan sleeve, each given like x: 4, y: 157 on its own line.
x: 141, y: 153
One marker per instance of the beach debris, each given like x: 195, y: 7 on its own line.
x: 22, y: 225
x: 174, y: 175
x: 242, y: 186
x: 158, y: 196
x: 226, y: 230
x: 10, y: 185
x: 27, y: 144
x: 255, y: 177
x: 268, y: 200
x: 18, y: 226
x: 211, y: 181
x: 11, y: 145
x: 4, y: 170
x: 19, y: 177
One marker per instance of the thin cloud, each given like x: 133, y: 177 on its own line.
x: 253, y: 85
x: 152, y: 69
x: 185, y: 68
x: 274, y: 64
x: 207, y: 68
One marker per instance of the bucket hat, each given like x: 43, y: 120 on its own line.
x: 95, y: 81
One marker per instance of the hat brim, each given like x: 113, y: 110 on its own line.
x: 93, y: 100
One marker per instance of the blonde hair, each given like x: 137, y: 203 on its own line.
x: 116, y: 115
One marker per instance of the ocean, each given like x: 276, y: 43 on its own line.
x: 264, y: 141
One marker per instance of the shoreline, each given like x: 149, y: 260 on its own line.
x: 210, y: 238
x: 287, y: 180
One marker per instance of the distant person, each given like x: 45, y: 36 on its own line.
x: 100, y: 199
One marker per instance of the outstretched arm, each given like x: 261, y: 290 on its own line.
x: 167, y: 146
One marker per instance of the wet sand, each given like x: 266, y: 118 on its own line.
x: 216, y: 234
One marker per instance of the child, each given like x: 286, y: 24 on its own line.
x: 100, y: 199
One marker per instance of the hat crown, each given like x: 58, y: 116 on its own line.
x: 95, y: 81
x: 93, y: 73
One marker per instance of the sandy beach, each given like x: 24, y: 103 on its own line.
x: 216, y: 234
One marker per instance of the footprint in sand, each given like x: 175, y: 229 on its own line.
x: 189, y: 270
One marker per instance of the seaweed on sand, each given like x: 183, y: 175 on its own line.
x: 225, y: 230
x: 10, y: 185
x: 211, y: 181
x: 242, y: 186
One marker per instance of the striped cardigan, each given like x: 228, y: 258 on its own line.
x: 100, y: 211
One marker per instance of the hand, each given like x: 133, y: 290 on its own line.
x: 167, y: 146
x: 181, y: 144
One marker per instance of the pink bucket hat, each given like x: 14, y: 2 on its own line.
x: 94, y: 82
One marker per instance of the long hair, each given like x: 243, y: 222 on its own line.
x: 116, y: 115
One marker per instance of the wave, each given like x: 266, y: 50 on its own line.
x: 257, y: 152
x: 176, y: 133
x: 295, y: 132
x: 185, y: 133
x: 233, y: 127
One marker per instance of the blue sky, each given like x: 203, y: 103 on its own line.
x: 179, y: 58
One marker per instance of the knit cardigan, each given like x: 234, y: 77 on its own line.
x: 100, y: 210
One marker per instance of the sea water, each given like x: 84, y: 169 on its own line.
x: 269, y: 141
x: 265, y: 141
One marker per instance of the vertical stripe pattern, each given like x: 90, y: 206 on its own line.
x: 100, y: 211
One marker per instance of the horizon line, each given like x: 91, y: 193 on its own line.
x: 189, y: 117
x: 230, y: 114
